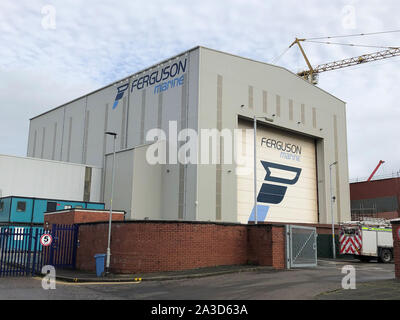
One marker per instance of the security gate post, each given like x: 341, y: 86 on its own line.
x: 74, y: 245
x: 52, y: 246
x: 29, y: 250
x: 287, y: 230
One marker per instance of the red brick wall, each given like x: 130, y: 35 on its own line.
x: 75, y: 216
x: 278, y: 247
x: 259, y: 244
x: 266, y: 245
x: 144, y: 246
x: 396, y: 247
x: 377, y: 189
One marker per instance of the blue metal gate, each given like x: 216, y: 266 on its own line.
x: 21, y: 253
x: 63, y: 248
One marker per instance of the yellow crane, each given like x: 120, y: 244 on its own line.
x: 312, y: 73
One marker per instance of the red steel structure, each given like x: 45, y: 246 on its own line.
x: 376, y: 169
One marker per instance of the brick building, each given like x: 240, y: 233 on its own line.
x: 376, y: 198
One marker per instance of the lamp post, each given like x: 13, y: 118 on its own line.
x: 333, y: 219
x: 255, y: 163
x: 113, y: 134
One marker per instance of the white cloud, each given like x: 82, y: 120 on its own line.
x: 97, y: 42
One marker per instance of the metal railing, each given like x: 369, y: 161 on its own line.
x: 22, y: 254
x: 377, y: 177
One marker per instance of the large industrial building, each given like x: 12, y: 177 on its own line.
x: 301, y: 132
x: 31, y: 186
x: 378, y: 198
x: 41, y: 178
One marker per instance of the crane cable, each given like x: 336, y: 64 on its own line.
x: 351, y: 44
x: 344, y: 44
x: 278, y: 57
x: 354, y: 35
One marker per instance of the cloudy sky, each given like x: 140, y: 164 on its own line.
x: 54, y: 51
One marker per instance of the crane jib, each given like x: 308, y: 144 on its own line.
x: 353, y: 61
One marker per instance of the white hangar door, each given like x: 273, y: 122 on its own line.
x: 286, y: 176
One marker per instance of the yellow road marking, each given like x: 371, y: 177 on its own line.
x: 75, y: 283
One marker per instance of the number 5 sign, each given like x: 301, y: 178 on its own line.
x: 46, y: 240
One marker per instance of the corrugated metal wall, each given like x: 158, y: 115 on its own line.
x: 75, y: 132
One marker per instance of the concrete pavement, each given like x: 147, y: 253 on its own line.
x: 372, y: 290
x: 82, y: 276
x: 302, y: 284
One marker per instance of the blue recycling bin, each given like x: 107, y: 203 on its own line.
x: 100, y: 258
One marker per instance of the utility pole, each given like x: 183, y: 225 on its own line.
x: 333, y: 219
x: 113, y: 134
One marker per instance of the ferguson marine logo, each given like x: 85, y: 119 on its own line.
x: 289, y: 151
x: 272, y: 193
x: 120, y: 94
x: 282, y: 146
x: 170, y: 71
x: 167, y: 77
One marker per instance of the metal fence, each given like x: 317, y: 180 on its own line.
x: 301, y: 246
x: 376, y: 177
x: 22, y: 254
x: 20, y: 251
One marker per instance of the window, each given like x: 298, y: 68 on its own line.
x: 384, y: 204
x: 1, y: 206
x: 67, y: 207
x: 78, y: 207
x: 51, y: 206
x: 21, y: 206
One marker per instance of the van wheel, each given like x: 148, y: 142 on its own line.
x: 385, y: 256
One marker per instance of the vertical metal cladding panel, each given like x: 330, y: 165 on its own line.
x: 34, y: 143
x: 278, y: 105
x: 47, y: 146
x: 155, y: 100
x: 218, y: 177
x: 122, y: 197
x: 115, y: 97
x: 192, y: 123
x: 335, y: 179
x: 43, y: 142
x: 303, y: 114
x: 96, y: 138
x: 53, y: 152
x: 286, y: 178
x: 95, y: 190
x: 314, y: 117
x: 124, y: 123
x: 291, y: 109
x: 29, y: 150
x: 265, y: 101
x: 73, y: 135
